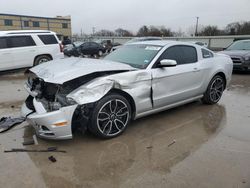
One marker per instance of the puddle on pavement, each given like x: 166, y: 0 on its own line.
x: 143, y: 147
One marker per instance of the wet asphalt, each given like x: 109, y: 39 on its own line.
x: 194, y: 145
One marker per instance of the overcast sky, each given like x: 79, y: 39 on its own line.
x: 132, y: 14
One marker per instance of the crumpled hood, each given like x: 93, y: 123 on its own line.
x: 62, y: 70
x: 241, y: 53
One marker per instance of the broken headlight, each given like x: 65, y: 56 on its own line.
x: 70, y: 101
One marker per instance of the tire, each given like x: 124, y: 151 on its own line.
x: 214, y: 90
x: 41, y: 59
x: 111, y: 116
x: 100, y: 53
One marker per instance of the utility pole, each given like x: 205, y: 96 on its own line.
x: 196, y: 28
x: 93, y: 30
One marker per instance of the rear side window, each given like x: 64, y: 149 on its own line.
x: 85, y: 45
x: 20, y: 41
x: 206, y: 53
x: 181, y: 54
x: 3, y: 43
x: 48, y: 39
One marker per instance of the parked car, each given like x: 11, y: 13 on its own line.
x: 138, y: 39
x: 239, y: 52
x: 92, y: 48
x: 26, y: 48
x: 72, y: 49
x: 66, y: 41
x: 204, y: 44
x: 107, y: 44
x: 136, y: 80
x: 86, y: 48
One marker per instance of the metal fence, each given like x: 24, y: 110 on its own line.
x: 214, y: 42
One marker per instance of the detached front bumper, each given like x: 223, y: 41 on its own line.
x: 54, y: 125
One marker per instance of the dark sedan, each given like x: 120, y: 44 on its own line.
x: 91, y: 48
x: 239, y: 52
x: 86, y: 48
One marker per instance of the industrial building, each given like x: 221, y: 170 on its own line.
x: 59, y: 24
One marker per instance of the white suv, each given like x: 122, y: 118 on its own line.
x: 27, y: 48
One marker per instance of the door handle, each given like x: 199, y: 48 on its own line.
x: 196, y: 69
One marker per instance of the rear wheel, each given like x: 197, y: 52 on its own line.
x: 41, y: 59
x: 214, y: 90
x: 100, y: 53
x: 111, y: 116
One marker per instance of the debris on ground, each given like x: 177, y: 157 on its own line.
x: 171, y: 143
x: 149, y: 147
x: 7, y: 123
x: 50, y: 149
x: 35, y: 139
x: 28, y: 142
x: 52, y: 159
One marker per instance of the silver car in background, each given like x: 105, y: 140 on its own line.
x: 136, y: 80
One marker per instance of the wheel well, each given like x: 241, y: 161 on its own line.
x: 43, y: 55
x: 223, y: 76
x: 128, y: 97
x: 81, y: 121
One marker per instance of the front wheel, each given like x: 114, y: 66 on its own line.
x: 111, y: 116
x: 214, y: 90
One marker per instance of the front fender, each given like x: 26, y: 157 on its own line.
x: 92, y: 91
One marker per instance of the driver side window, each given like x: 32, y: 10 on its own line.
x: 181, y: 54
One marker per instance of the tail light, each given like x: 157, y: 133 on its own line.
x: 61, y: 47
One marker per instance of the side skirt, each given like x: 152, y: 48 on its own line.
x: 153, y: 111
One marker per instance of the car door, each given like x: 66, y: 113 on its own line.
x: 174, y: 84
x: 6, y: 55
x: 24, y: 50
x: 94, y: 48
x: 85, y: 48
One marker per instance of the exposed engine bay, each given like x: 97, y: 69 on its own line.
x: 54, y: 96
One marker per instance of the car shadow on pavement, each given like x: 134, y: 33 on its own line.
x: 155, y: 143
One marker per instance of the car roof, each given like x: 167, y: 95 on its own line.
x: 162, y: 43
x: 148, y: 37
x: 16, y: 32
x: 245, y: 40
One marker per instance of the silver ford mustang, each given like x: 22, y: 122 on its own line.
x: 136, y: 80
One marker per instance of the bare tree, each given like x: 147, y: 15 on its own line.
x: 143, y: 31
x: 161, y: 31
x: 166, y: 32
x: 238, y: 28
x: 191, y: 30
x: 154, y: 31
x: 209, y: 30
x: 105, y: 33
x: 123, y: 33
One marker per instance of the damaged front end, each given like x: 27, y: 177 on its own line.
x: 58, y: 109
x: 52, y: 117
